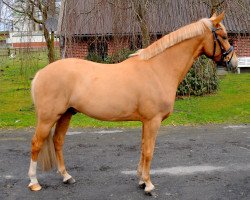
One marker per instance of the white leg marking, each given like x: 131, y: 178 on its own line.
x: 149, y: 187
x: 64, y: 174
x: 66, y: 177
x: 32, y: 173
x: 141, y: 182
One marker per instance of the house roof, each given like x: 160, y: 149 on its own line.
x: 102, y: 17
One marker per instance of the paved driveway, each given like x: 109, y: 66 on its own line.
x: 205, y: 162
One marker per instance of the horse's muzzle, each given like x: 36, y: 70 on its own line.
x: 231, y: 64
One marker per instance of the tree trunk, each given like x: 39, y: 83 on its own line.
x: 140, y: 9
x: 51, y: 37
x: 50, y: 44
x: 51, y: 49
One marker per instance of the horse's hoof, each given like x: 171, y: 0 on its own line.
x: 152, y: 194
x: 142, y: 185
x: 149, y: 189
x: 69, y: 181
x: 35, y: 187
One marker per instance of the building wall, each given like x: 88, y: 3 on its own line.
x: 79, y: 49
x: 75, y: 49
x: 117, y: 44
x: 28, y: 40
x: 242, y: 45
x: 23, y: 37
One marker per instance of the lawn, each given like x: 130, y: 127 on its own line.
x: 230, y: 105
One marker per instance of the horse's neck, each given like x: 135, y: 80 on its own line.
x: 174, y: 63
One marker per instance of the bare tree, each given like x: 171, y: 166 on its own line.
x: 216, y: 6
x: 140, y: 10
x: 38, y: 11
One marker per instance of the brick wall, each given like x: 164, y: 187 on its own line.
x: 76, y: 49
x: 241, y: 45
x: 117, y: 44
x: 79, y: 48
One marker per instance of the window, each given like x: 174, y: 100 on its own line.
x: 98, y: 48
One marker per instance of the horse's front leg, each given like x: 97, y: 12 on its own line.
x: 59, y: 136
x: 149, y: 132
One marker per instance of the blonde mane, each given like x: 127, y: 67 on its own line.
x: 173, y: 38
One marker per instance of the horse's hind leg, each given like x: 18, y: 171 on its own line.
x: 41, y: 135
x: 60, y: 132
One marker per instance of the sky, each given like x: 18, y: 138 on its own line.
x: 5, y: 17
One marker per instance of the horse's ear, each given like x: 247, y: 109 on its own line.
x: 217, y: 19
x: 214, y: 15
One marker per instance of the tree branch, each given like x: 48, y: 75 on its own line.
x: 28, y: 11
x: 13, y: 8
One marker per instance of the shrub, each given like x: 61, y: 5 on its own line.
x: 119, y: 56
x: 201, y: 79
x: 95, y: 57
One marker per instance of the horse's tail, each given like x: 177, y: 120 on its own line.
x: 47, y: 155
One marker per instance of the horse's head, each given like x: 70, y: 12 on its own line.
x: 217, y: 46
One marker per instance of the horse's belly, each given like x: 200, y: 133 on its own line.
x: 108, y: 107
x: 109, y: 113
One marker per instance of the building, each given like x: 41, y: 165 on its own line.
x: 103, y: 27
x: 25, y: 33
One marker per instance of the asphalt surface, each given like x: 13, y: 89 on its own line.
x: 205, y: 162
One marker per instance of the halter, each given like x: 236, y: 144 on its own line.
x: 225, y: 53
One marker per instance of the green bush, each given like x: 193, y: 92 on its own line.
x: 201, y: 79
x: 119, y: 56
x: 95, y: 57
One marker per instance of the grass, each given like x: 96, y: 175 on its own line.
x: 230, y: 105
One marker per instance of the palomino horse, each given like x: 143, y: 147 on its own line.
x: 141, y: 88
